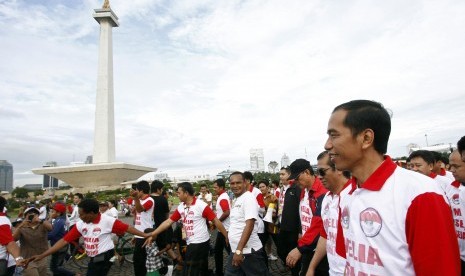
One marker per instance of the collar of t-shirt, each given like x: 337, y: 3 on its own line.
x: 456, y: 183
x: 97, y: 219
x: 222, y: 191
x: 345, y: 186
x: 144, y: 197
x: 377, y: 179
x: 193, y: 201
x: 442, y: 172
x: 2, y: 214
x: 432, y: 175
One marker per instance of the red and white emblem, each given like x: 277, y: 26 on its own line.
x: 345, y: 218
x: 96, y: 231
x: 84, y: 231
x: 371, y: 222
x: 456, y: 199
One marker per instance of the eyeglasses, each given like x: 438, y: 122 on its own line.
x: 322, y: 172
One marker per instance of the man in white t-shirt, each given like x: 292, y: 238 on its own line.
x: 389, y: 215
x: 223, y: 207
x: 96, y: 230
x: 143, y: 205
x: 205, y: 195
x: 248, y: 257
x: 194, y: 215
x: 422, y: 161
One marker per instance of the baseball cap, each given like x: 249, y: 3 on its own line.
x: 31, y: 209
x: 59, y: 207
x: 297, y: 167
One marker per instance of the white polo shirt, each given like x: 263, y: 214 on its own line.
x: 442, y: 181
x: 456, y: 195
x: 330, y: 217
x: 194, y: 220
x: 223, y: 205
x: 144, y: 219
x: 305, y: 211
x: 97, y: 234
x: 398, y: 223
x: 243, y: 208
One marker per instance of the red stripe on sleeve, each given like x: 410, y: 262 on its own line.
x: 312, y: 232
x: 175, y: 216
x: 208, y: 213
x: 260, y: 201
x: 5, y: 235
x: 431, y: 236
x: 72, y: 235
x: 147, y: 205
x: 224, y: 203
x: 119, y: 227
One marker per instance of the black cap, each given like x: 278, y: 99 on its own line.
x: 297, y: 167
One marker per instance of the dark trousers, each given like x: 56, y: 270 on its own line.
x: 220, y: 245
x: 139, y: 257
x: 462, y: 264
x: 285, y: 242
x: 56, y: 264
x: 100, y: 268
x: 254, y: 264
x: 321, y: 270
x: 196, y: 261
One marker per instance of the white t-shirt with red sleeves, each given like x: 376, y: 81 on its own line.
x: 456, y: 195
x: 5, y: 235
x: 243, y: 208
x: 194, y: 220
x: 398, y: 223
x: 144, y: 219
x: 442, y: 181
x: 330, y: 217
x: 261, y: 208
x: 97, y: 234
x: 305, y: 212
x: 223, y: 205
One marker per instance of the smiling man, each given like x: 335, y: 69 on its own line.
x: 422, y: 161
x: 389, y: 215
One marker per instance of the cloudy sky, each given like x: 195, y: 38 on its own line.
x: 200, y: 83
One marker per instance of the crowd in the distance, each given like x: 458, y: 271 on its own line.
x: 357, y: 213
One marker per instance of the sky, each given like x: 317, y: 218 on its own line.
x: 198, y: 83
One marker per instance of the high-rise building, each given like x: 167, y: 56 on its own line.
x: 50, y: 182
x: 285, y: 161
x: 6, y: 176
x: 257, y: 160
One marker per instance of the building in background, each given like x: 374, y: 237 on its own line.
x: 257, y: 160
x: 50, y: 182
x: 6, y: 176
x: 285, y: 161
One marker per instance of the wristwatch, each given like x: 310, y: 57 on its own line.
x: 19, y: 258
x: 238, y: 252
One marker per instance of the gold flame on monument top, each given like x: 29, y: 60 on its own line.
x: 106, y: 4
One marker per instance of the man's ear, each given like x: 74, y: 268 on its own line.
x: 367, y: 137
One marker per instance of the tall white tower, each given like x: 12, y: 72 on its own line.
x: 104, y: 135
x: 257, y: 160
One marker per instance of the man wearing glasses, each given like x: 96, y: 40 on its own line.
x: 310, y: 213
x: 338, y: 184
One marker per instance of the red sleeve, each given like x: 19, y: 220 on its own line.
x: 277, y: 194
x: 224, y: 205
x: 147, y: 205
x: 436, y: 254
x: 72, y: 235
x: 312, y: 232
x: 119, y: 227
x: 340, y: 242
x: 323, y: 233
x: 175, y: 216
x: 5, y: 234
x: 260, y: 201
x: 208, y: 213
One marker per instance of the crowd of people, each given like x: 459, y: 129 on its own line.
x: 358, y: 213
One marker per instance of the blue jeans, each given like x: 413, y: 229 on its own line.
x: 253, y: 264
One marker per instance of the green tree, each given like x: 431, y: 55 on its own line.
x: 38, y: 192
x: 20, y: 192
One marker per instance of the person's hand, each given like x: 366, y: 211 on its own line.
x: 147, y: 241
x: 34, y: 258
x: 293, y: 257
x: 134, y: 193
x: 21, y: 262
x: 237, y: 259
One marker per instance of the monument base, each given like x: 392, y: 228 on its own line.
x: 95, y: 177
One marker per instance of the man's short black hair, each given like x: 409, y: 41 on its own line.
x: 461, y: 145
x: 437, y: 156
x: 89, y: 205
x: 156, y: 185
x: 143, y: 186
x: 79, y: 195
x: 203, y: 185
x: 2, y: 203
x: 264, y: 181
x: 287, y: 169
x: 220, y: 182
x: 425, y: 155
x: 248, y: 176
x: 237, y: 173
x: 275, y: 183
x: 365, y: 114
x: 186, y: 187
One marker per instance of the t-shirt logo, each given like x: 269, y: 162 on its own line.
x: 371, y: 222
x: 84, y: 231
x: 96, y: 231
x: 345, y: 218
x: 455, y: 199
x: 326, y: 209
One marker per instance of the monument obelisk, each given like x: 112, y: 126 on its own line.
x: 104, y: 172
x: 104, y: 135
